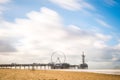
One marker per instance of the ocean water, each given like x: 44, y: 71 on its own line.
x: 102, y: 71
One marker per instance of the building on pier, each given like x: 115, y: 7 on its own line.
x: 83, y: 65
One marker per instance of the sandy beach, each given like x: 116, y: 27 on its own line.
x: 12, y: 74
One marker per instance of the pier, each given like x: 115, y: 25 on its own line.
x: 33, y: 66
x: 56, y: 63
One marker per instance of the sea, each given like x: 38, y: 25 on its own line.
x: 101, y: 71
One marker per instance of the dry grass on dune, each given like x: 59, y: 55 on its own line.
x: 11, y: 74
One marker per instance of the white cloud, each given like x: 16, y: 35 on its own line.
x: 87, y: 5
x: 110, y: 2
x: 2, y: 8
x: 73, y: 4
x: 4, y: 1
x: 103, y: 23
x: 67, y: 4
x: 5, y: 46
x: 35, y: 38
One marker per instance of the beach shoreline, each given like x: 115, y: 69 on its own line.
x: 101, y: 71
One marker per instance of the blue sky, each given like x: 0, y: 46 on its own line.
x: 105, y: 11
x: 81, y: 25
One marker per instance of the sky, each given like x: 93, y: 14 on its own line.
x: 31, y: 30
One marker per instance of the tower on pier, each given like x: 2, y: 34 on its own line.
x: 83, y: 65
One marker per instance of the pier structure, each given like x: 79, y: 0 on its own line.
x: 83, y: 65
x: 33, y: 66
x: 57, y: 62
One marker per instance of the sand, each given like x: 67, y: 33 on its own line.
x: 14, y: 74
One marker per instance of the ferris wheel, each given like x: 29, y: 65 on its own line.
x: 58, y: 57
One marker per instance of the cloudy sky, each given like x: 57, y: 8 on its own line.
x: 30, y: 30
